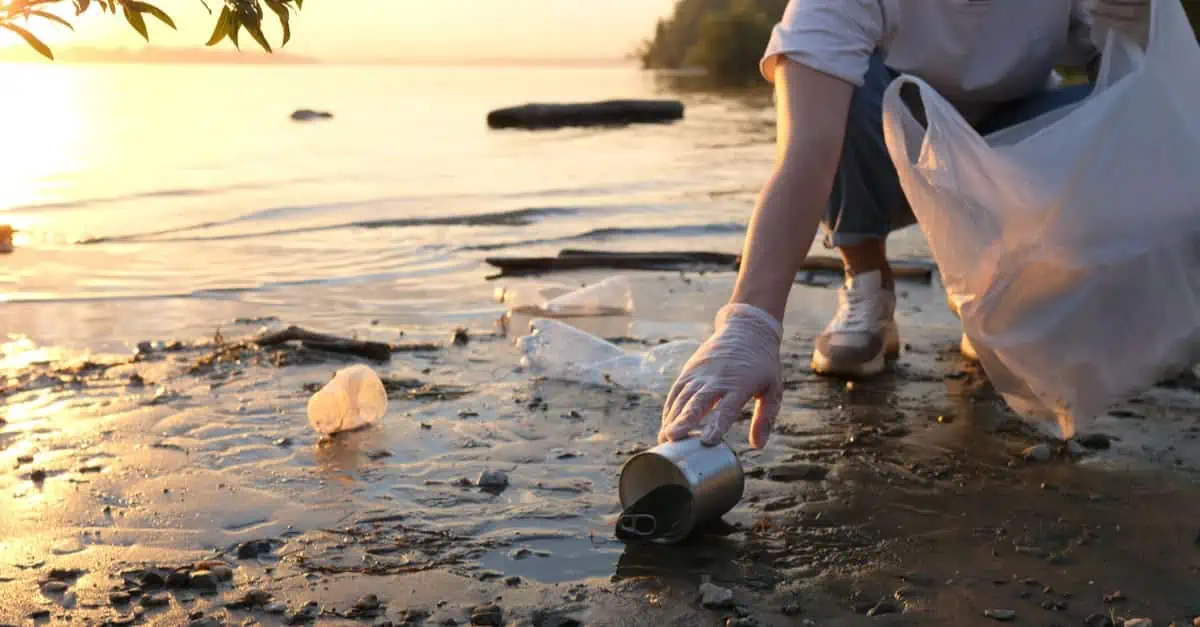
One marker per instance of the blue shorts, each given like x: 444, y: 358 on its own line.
x: 867, y: 201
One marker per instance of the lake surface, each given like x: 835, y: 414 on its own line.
x: 154, y: 200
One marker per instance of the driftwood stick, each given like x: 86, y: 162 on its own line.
x: 574, y: 259
x: 378, y: 351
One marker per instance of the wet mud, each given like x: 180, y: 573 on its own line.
x: 182, y: 485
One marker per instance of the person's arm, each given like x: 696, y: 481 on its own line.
x: 811, y: 108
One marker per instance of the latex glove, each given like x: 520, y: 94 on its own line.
x: 738, y: 362
x: 1131, y: 17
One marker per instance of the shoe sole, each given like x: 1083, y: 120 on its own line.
x: 821, y: 364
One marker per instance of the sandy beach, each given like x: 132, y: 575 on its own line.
x: 181, y: 484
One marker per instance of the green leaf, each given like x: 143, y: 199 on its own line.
x: 281, y: 10
x: 145, y: 7
x: 81, y: 6
x: 255, y: 30
x: 34, y: 42
x: 52, y: 17
x: 135, y: 20
x: 221, y: 30
x: 235, y: 25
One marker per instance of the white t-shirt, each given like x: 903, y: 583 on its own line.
x: 974, y: 52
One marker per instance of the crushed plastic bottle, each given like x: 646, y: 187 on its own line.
x: 611, y: 297
x: 354, y: 398
x: 531, y: 298
x: 558, y: 350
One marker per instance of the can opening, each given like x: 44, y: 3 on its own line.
x: 661, y: 515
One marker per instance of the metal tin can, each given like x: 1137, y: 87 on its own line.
x: 712, y: 475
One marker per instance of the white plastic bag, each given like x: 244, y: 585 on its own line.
x: 1072, y: 240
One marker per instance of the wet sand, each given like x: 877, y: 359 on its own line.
x: 173, y: 488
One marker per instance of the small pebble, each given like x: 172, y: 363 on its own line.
x: 490, y: 615
x: 157, y: 599
x: 1098, y: 441
x: 54, y: 587
x: 179, y: 578
x: 715, y: 597
x: 494, y: 479
x: 1098, y: 620
x: 203, y: 580
x: 1001, y: 615
x: 512, y: 580
x: 1037, y: 453
x: 1138, y: 622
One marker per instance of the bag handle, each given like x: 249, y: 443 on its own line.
x: 902, y: 131
x: 1170, y: 35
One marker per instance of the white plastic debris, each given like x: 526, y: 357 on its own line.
x: 558, y: 350
x: 611, y: 297
x: 354, y: 398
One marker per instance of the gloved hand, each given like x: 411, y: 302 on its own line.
x: 1131, y: 17
x: 738, y: 362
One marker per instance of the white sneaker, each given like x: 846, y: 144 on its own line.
x: 862, y: 335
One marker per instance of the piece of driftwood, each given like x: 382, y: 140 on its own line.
x: 576, y: 259
x: 306, y: 115
x: 603, y: 113
x: 378, y: 351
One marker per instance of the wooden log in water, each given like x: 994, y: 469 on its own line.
x: 603, y: 113
x: 576, y: 259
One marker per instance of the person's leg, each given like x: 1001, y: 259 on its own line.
x: 1032, y: 106
x: 866, y: 204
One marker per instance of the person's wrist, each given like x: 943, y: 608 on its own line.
x: 751, y: 314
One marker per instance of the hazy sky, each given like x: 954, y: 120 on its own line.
x: 406, y: 29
